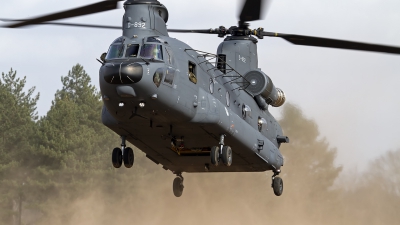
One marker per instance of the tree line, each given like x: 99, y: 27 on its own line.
x: 56, y: 169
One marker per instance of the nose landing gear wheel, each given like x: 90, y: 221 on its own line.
x: 277, y: 185
x: 215, y: 155
x: 129, y: 157
x: 178, y: 186
x: 227, y: 155
x: 117, y: 157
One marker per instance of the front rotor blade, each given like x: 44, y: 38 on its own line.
x: 202, y: 31
x: 251, y: 10
x: 81, y: 11
x: 333, y: 43
x: 69, y: 24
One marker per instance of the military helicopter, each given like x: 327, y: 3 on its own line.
x: 189, y: 110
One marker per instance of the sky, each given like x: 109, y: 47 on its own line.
x: 352, y: 95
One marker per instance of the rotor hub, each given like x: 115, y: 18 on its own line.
x: 132, y: 2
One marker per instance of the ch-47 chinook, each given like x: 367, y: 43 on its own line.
x: 189, y: 110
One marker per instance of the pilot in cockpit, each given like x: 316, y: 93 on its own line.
x: 192, y: 76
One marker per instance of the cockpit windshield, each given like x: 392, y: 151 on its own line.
x: 115, y: 51
x: 151, y: 51
x: 132, y: 50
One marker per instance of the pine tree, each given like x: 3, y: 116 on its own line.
x: 74, y: 147
x: 17, y: 130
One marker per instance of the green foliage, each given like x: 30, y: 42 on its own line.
x: 17, y: 133
x: 73, y: 150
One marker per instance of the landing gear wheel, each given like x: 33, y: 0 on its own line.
x: 129, y: 157
x: 214, y: 155
x: 117, y: 157
x: 227, y: 155
x: 178, y: 186
x: 277, y: 185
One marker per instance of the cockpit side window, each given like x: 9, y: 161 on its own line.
x: 151, y: 51
x: 132, y: 50
x: 115, y: 51
x: 192, y: 72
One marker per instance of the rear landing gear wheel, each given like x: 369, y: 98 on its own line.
x: 227, y: 155
x: 117, y: 157
x: 277, y: 185
x: 178, y: 186
x: 129, y: 157
x: 214, y: 155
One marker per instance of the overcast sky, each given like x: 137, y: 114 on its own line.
x: 353, y: 96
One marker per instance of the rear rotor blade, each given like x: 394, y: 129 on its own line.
x: 81, y: 11
x: 251, y: 10
x: 333, y: 43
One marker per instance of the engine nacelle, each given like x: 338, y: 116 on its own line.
x: 263, y: 90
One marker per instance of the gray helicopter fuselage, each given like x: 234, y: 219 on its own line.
x: 173, y: 104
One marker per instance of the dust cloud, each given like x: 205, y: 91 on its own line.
x: 144, y: 196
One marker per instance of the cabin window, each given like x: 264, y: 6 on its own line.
x: 132, y: 50
x: 246, y: 111
x: 115, y: 51
x: 262, y: 123
x: 228, y: 98
x: 192, y: 72
x: 151, y: 51
x: 158, y: 76
x: 169, y: 75
x: 211, y: 86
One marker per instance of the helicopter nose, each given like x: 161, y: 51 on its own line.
x: 122, y: 72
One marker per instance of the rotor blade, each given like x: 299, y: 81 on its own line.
x: 81, y: 11
x: 69, y: 24
x: 205, y: 31
x: 333, y: 43
x: 251, y: 10
x: 83, y: 25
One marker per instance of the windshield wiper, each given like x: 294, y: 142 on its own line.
x: 147, y: 62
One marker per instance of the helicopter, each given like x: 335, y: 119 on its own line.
x: 189, y: 110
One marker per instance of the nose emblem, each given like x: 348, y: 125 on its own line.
x: 122, y: 73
